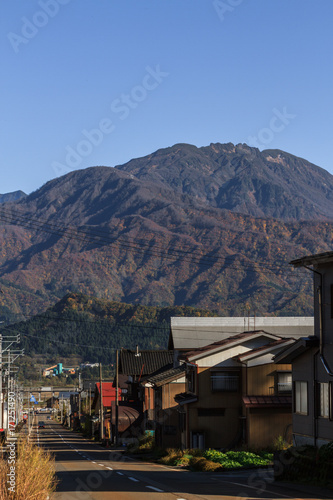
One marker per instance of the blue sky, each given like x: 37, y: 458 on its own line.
x: 89, y: 82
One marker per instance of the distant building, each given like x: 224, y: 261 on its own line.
x: 57, y: 369
x: 195, y: 332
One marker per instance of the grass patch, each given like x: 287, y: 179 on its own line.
x: 34, y: 473
x: 144, y: 444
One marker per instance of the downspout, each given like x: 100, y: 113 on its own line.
x: 321, y: 355
x: 188, y: 436
x: 315, y: 410
x: 321, y: 350
x: 245, y: 422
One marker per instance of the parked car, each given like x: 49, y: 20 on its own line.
x: 41, y: 424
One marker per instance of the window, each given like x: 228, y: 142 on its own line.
x: 301, y: 398
x: 284, y: 383
x: 324, y: 403
x: 225, y: 381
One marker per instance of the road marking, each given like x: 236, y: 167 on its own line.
x: 93, y: 462
x: 120, y: 473
x: 155, y: 489
x: 255, y: 488
x: 110, y: 468
x: 102, y: 465
x: 133, y: 479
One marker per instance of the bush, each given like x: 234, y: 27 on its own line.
x: 143, y: 445
x: 202, y: 464
x: 34, y: 473
x: 172, y: 457
x: 280, y: 444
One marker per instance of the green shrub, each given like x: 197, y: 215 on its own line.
x: 280, y: 444
x: 235, y: 459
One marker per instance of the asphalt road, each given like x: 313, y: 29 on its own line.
x: 86, y: 471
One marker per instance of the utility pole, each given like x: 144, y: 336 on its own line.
x: 101, y: 431
x: 1, y: 395
x: 62, y: 408
x: 79, y: 399
x: 117, y: 402
x: 90, y: 398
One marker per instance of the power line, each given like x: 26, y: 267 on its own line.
x: 102, y: 238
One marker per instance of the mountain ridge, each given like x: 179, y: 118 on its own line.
x: 156, y: 231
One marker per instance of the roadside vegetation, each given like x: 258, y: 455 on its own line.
x: 306, y: 464
x: 34, y: 473
x: 201, y: 460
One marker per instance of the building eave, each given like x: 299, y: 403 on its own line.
x: 295, y: 350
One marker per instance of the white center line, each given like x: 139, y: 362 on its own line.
x: 133, y: 479
x: 120, y: 473
x: 155, y: 489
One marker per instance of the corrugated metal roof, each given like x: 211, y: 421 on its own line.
x: 146, y: 363
x: 191, y: 333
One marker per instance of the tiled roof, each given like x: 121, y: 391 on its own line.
x: 267, y: 401
x: 235, y: 339
x: 167, y: 375
x: 146, y: 363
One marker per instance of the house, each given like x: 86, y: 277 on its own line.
x: 134, y: 368
x: 312, y: 360
x: 234, y: 393
x: 137, y: 364
x: 193, y: 332
x: 161, y: 410
x: 108, y: 394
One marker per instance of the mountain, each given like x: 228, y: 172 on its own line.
x: 15, y: 196
x: 79, y: 325
x: 210, y: 227
x: 242, y: 179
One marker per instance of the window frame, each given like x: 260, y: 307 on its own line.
x: 321, y: 402
x: 277, y: 376
x: 296, y: 392
x: 225, y: 373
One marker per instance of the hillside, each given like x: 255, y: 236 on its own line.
x: 79, y: 325
x: 271, y: 183
x: 169, y: 230
x: 15, y: 196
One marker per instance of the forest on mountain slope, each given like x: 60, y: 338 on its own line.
x: 90, y: 329
x: 213, y: 228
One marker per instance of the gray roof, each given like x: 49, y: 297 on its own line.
x: 307, y: 260
x: 192, y: 333
x: 144, y: 362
